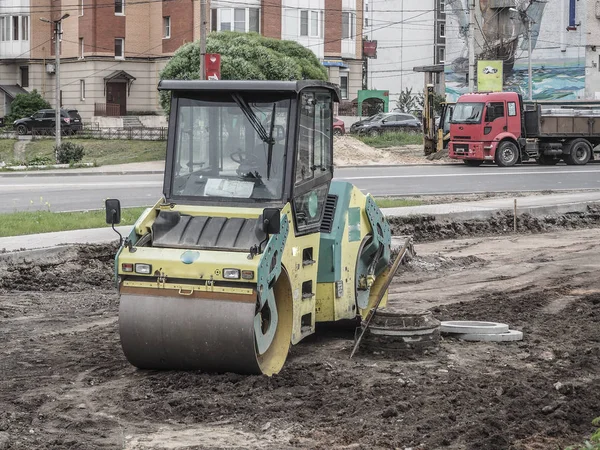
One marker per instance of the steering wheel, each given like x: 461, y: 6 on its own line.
x: 243, y: 157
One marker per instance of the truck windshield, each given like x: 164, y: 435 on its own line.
x: 230, y: 148
x: 467, y: 113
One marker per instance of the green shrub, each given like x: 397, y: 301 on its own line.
x: 69, y: 153
x: 40, y: 161
x: 25, y: 105
x: 594, y: 441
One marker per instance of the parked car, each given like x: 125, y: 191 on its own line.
x: 356, y: 125
x: 44, y: 121
x: 385, y: 122
x: 339, y: 128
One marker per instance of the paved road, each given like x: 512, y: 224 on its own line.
x: 67, y: 193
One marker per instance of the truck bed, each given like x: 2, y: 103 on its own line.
x: 562, y: 123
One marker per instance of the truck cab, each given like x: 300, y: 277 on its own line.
x: 481, y: 125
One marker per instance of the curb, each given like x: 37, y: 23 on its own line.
x: 535, y: 211
x: 74, y: 174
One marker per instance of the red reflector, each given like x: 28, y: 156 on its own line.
x: 247, y: 274
x: 126, y: 267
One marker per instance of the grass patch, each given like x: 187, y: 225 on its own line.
x: 34, y: 222
x: 104, y: 151
x: 395, y: 139
x: 6, y: 150
x: 396, y: 202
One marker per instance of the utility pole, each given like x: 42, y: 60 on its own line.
x: 529, y: 57
x: 57, y: 119
x: 471, y: 4
x: 202, y: 39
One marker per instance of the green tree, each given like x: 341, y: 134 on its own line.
x: 244, y: 56
x: 25, y: 105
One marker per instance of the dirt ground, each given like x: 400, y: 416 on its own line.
x: 65, y: 383
x: 349, y: 151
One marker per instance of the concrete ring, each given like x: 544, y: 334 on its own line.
x: 473, y: 327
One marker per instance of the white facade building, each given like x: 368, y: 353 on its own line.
x: 405, y: 31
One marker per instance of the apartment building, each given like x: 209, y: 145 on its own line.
x: 112, y: 51
x: 409, y: 34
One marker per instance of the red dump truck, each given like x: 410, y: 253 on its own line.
x: 499, y: 127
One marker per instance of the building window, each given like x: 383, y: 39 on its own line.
x: 213, y: 19
x: 166, y: 27
x: 239, y: 19
x: 442, y: 55
x: 120, y: 7
x: 253, y: 20
x: 304, y: 23
x: 81, y: 48
x: 82, y: 89
x: 120, y: 48
x: 235, y: 19
x: 442, y: 30
x: 225, y: 24
x: 15, y: 28
x: 3, y: 29
x: 25, y: 28
x: 344, y: 85
x: 442, y: 5
x: 24, y: 76
x: 81, y: 7
x: 348, y: 31
x: 309, y: 23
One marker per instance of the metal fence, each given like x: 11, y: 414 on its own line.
x: 107, y: 109
x: 137, y: 133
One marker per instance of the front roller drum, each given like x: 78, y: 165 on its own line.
x: 211, y: 335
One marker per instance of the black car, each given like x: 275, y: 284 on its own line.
x: 356, y: 125
x: 385, y: 122
x: 43, y: 122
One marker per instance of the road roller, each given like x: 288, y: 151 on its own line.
x: 252, y: 242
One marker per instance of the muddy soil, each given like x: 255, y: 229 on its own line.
x: 66, y: 384
x: 427, y: 228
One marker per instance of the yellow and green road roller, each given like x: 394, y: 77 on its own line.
x: 252, y: 242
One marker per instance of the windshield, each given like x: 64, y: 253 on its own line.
x: 467, y: 113
x: 223, y: 148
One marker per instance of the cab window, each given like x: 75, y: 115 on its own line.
x: 495, y: 110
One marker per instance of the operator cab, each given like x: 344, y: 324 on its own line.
x: 248, y: 142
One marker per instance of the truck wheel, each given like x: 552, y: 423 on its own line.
x: 580, y: 153
x: 547, y: 160
x: 473, y: 162
x: 507, y: 154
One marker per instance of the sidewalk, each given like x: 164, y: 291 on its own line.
x: 535, y: 205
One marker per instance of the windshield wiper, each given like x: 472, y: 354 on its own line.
x: 258, y: 127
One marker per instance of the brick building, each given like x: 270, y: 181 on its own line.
x: 112, y: 51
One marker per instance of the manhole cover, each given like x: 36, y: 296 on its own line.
x: 401, y: 331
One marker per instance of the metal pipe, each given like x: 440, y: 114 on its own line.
x: 202, y: 39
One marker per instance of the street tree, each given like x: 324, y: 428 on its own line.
x: 245, y: 56
x: 24, y: 105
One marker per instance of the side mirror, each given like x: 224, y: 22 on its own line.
x: 271, y: 220
x: 113, y: 211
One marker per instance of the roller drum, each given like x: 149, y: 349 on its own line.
x: 183, y: 333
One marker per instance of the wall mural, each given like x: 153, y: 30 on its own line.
x: 558, y: 56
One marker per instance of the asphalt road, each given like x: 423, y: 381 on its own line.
x: 74, y: 193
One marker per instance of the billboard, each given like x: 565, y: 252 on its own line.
x: 489, y: 76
